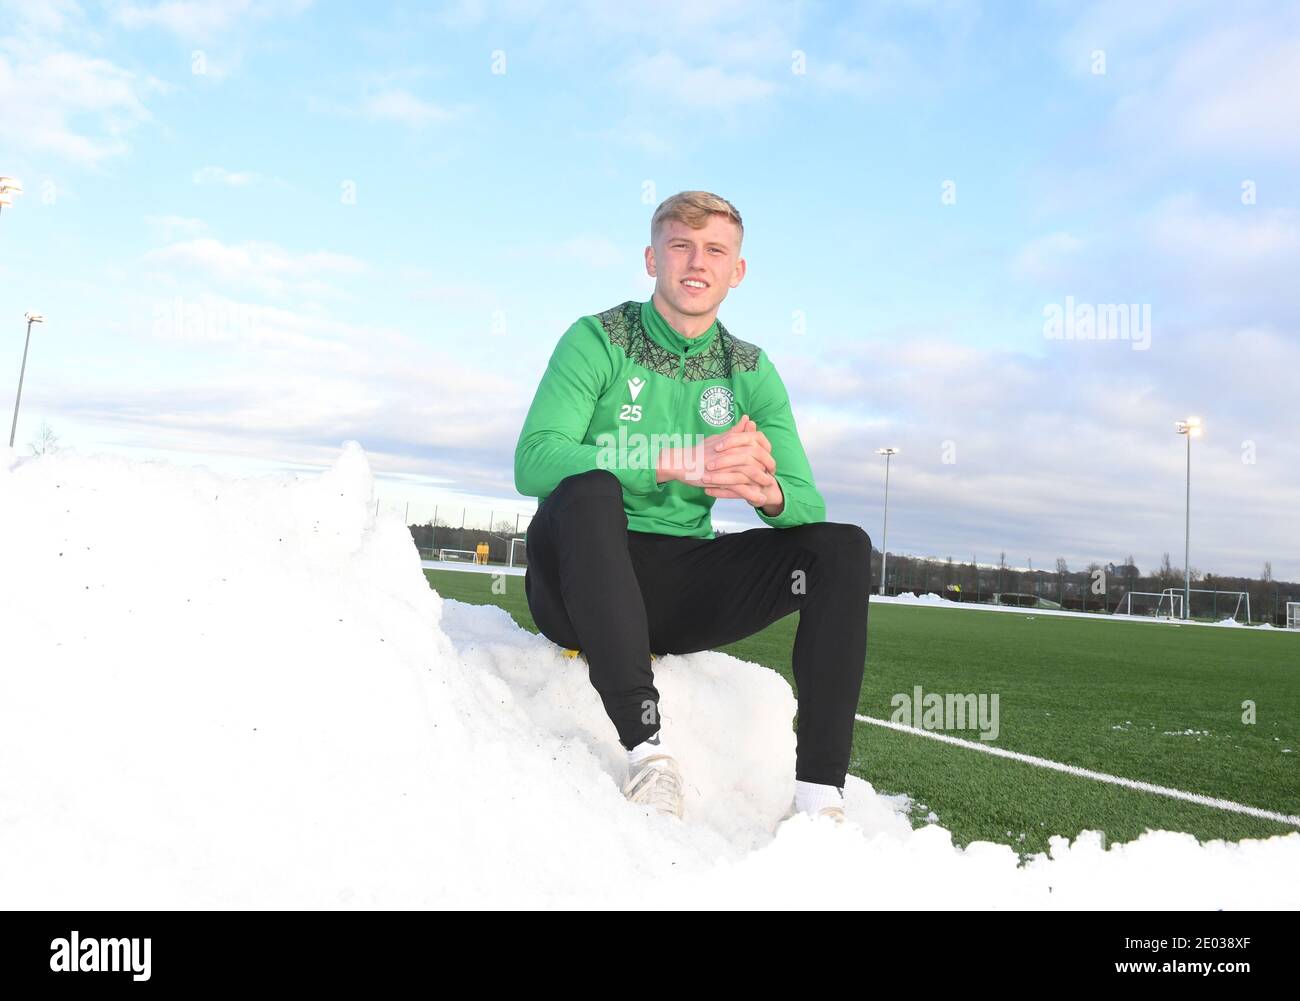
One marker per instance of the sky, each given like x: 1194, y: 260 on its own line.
x: 258, y: 230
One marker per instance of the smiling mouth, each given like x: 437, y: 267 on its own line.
x: 694, y: 285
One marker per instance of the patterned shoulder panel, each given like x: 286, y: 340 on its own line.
x: 726, y: 354
x: 623, y: 328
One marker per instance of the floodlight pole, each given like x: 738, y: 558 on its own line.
x: 888, y: 453
x: 31, y: 318
x: 1189, y: 428
x: 1187, y: 537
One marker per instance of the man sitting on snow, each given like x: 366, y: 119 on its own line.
x: 647, y: 414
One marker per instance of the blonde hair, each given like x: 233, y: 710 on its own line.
x: 694, y: 209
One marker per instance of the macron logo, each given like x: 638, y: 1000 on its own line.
x: 634, y: 386
x: 101, y: 955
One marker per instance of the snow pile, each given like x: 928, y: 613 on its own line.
x: 907, y: 598
x: 221, y: 692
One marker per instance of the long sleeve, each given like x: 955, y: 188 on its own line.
x: 770, y: 409
x: 551, y: 444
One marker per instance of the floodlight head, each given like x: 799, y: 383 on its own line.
x: 1190, y: 426
x: 889, y: 450
x: 34, y: 318
x: 11, y: 184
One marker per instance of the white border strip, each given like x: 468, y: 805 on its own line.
x: 1056, y: 766
x: 910, y: 601
x: 492, y: 568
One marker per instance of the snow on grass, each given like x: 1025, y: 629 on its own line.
x: 220, y: 692
x: 931, y: 600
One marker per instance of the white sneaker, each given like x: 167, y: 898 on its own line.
x: 657, y: 783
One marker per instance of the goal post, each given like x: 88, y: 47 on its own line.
x: 1160, y: 605
x: 1293, y: 614
x: 457, y: 556
x: 517, y: 542
x: 1218, y: 605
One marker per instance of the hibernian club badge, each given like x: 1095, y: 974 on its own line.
x: 718, y: 406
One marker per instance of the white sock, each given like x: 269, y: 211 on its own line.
x: 646, y: 749
x: 809, y: 797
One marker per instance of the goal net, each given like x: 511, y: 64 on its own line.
x: 1162, y: 605
x: 1293, y: 614
x: 521, y: 551
x: 1215, y: 606
x: 458, y: 555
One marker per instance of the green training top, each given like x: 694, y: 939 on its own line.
x: 622, y: 385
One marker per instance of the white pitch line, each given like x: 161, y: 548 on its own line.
x: 1029, y: 759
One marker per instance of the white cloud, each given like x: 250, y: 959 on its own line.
x: 200, y: 19
x: 231, y: 178
x: 1232, y: 92
x: 879, y: 67
x: 67, y: 105
x: 1126, y: 32
x: 632, y: 132
x: 405, y: 108
x: 1240, y: 263
x: 172, y: 227
x: 1247, y: 238
x: 1068, y: 450
x: 705, y: 87
x: 264, y: 267
x: 1196, y: 78
x: 1047, y: 257
x: 40, y: 19
x: 285, y: 382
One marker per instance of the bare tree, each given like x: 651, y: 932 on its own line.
x: 46, y: 441
x: 1166, y: 576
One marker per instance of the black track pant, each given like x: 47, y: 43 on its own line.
x: 617, y: 595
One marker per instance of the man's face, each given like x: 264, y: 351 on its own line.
x: 695, y: 268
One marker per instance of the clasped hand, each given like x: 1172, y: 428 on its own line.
x: 735, y: 463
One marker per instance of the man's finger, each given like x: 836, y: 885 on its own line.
x: 731, y: 477
x: 752, y: 428
x: 738, y: 438
x: 740, y: 456
x: 752, y: 496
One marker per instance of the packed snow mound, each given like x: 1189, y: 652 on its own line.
x: 224, y: 692
x: 907, y: 598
